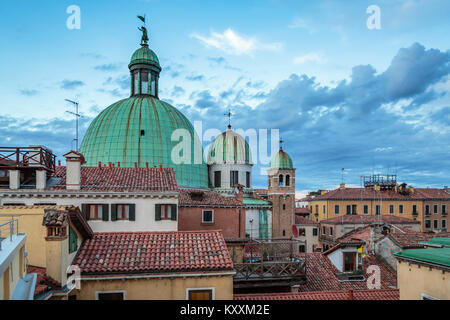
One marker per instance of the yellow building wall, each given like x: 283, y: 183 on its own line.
x: 2, y: 291
x: 385, y: 205
x: 30, y: 223
x: 158, y: 289
x: 413, y: 280
x: 6, y: 285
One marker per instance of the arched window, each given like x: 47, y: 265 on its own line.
x: 288, y: 181
x: 280, y: 180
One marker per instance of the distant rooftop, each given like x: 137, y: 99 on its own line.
x: 366, y: 219
x: 386, y: 294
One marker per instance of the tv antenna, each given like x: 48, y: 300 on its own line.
x: 77, y: 116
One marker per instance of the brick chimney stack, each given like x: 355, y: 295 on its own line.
x: 74, y: 161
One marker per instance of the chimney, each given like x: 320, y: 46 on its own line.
x: 161, y: 169
x: 350, y: 294
x: 74, y: 160
x: 411, y: 190
x: 99, y: 164
x: 135, y: 165
x: 240, y: 194
x: 118, y: 164
x: 59, y: 163
x: 14, y: 179
x: 342, y: 186
x: 41, y: 179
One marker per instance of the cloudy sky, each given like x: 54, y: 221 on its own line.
x: 341, y: 95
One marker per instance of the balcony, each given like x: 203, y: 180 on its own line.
x: 267, y: 263
x: 31, y: 157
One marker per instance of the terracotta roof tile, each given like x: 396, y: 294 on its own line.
x: 303, y: 211
x: 122, y: 179
x: 154, y: 252
x: 304, y: 221
x: 44, y: 283
x: 386, y: 294
x: 411, y: 239
x: 205, y: 198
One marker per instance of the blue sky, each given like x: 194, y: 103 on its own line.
x: 342, y: 96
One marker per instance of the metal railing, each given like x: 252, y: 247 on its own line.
x: 26, y: 157
x: 7, y: 230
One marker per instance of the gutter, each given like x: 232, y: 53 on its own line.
x: 148, y: 276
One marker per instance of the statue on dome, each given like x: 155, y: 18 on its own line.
x: 144, y: 31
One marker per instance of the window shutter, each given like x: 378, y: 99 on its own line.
x: 114, y: 212
x: 85, y: 210
x: 105, y: 212
x: 157, y: 212
x: 132, y: 212
x: 174, y: 212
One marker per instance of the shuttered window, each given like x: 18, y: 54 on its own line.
x: 73, y: 240
x: 165, y: 212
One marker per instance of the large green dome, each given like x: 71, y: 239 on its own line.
x: 139, y: 130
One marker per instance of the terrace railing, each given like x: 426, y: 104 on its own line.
x: 27, y: 157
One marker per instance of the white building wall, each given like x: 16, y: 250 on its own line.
x: 225, y: 175
x: 145, y: 212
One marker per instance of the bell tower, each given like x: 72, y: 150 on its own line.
x: 281, y: 192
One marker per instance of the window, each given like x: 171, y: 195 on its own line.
x: 336, y: 209
x: 280, y: 180
x: 165, y: 212
x: 144, y: 81
x: 301, y: 231
x: 95, y: 212
x: 317, y: 209
x: 414, y: 211
x: 444, y: 209
x: 4, y: 173
x: 391, y: 209
x: 247, y: 179
x: 331, y: 231
x: 315, y: 232
x: 288, y: 180
x: 324, y: 209
x: 349, y: 209
x: 400, y: 209
x: 435, y: 224
x: 112, y: 295
x: 377, y: 209
x: 208, y: 216
x: 136, y: 83
x: 354, y: 209
x: 324, y: 230
x: 427, y: 224
x: 435, y: 209
x: 349, y: 261
x: 200, y: 294
x: 427, y: 209
x: 73, y: 240
x: 301, y: 248
x: 123, y: 212
x: 153, y: 88
x: 444, y: 224
x: 284, y: 207
x: 217, y: 179
x: 234, y: 178
x: 366, y: 209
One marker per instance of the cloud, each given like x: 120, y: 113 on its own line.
x: 233, y: 43
x: 71, y: 84
x: 195, y: 77
x: 308, y: 58
x: 300, y: 23
x: 109, y: 67
x: 177, y: 91
x: 28, y: 92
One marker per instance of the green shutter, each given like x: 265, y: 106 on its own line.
x: 73, y: 240
x: 114, y: 212
x: 132, y: 212
x: 157, y: 212
x: 105, y: 208
x: 85, y: 210
x: 174, y: 212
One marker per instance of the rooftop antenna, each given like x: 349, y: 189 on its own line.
x: 77, y: 116
x: 342, y: 176
x: 229, y: 115
x: 281, y: 143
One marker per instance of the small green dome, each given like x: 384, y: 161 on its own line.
x: 144, y: 55
x: 139, y: 130
x: 281, y: 160
x: 229, y: 147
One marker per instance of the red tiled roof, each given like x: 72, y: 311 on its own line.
x: 321, y: 274
x: 303, y: 220
x: 366, y: 219
x: 154, y: 252
x: 411, y: 239
x: 386, y: 294
x: 261, y: 191
x: 370, y: 194
x: 205, y: 198
x: 303, y: 211
x: 357, y: 235
x: 122, y: 179
x: 44, y: 283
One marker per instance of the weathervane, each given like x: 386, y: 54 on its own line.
x: 144, y: 40
x: 229, y: 114
x: 281, y: 144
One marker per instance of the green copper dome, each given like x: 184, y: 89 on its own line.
x: 139, y: 130
x: 144, y: 55
x: 281, y: 160
x: 229, y: 147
